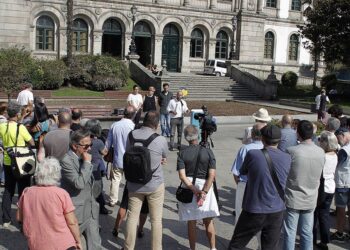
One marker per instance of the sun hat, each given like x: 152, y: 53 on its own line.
x: 262, y: 115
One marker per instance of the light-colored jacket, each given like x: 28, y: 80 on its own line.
x: 304, y: 176
x: 342, y: 172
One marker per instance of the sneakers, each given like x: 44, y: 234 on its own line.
x: 322, y: 246
x: 6, y: 224
x: 339, y: 237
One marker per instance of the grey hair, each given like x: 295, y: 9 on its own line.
x: 48, y: 172
x: 13, y: 109
x: 191, y: 133
x: 78, y: 135
x: 94, y: 126
x: 328, y: 141
x: 333, y: 124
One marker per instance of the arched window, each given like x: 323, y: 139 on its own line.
x: 293, y: 47
x: 296, y: 5
x: 143, y: 29
x: 196, y: 48
x: 271, y: 3
x: 112, y: 26
x: 269, y: 45
x: 80, y: 35
x: 45, y: 30
x: 221, y: 47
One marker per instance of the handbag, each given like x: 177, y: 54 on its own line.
x: 273, y: 174
x: 23, y: 160
x: 185, y: 195
x: 110, y: 155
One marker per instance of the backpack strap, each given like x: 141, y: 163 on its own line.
x: 144, y: 142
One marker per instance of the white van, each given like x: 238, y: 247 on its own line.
x: 215, y: 67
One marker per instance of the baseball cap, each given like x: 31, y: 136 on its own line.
x: 271, y: 132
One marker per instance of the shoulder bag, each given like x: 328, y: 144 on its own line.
x: 23, y: 160
x: 185, y: 195
x: 274, y: 177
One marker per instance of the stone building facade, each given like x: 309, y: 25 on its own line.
x: 185, y: 33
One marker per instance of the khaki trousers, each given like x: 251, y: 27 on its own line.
x: 155, y: 204
x: 116, y: 176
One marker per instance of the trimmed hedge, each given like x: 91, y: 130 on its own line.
x: 289, y: 79
x: 48, y: 74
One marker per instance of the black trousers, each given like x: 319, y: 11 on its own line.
x: 137, y: 117
x: 9, y: 192
x: 249, y: 224
x: 176, y: 123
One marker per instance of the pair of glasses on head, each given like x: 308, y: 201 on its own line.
x: 86, y: 146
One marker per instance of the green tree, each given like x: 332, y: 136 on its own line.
x: 328, y: 32
x: 15, y: 66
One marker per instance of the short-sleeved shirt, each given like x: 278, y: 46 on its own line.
x: 135, y: 100
x: 178, y: 106
x: 261, y: 195
x: 158, y: 149
x: 24, y: 97
x: 44, y: 223
x: 187, y: 160
x: 56, y: 143
x: 8, y: 135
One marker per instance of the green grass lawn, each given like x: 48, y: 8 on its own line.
x: 74, y: 91
x: 128, y: 87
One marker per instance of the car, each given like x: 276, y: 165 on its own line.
x: 215, y: 67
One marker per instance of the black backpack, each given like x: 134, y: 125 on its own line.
x: 137, y: 160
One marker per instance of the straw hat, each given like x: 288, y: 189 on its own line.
x: 262, y: 115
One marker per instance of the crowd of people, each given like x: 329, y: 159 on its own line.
x: 286, y: 180
x: 286, y: 177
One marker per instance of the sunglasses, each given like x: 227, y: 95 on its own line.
x: 86, y: 146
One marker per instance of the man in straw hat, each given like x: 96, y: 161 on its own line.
x: 262, y: 118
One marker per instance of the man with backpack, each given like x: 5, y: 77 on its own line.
x: 143, y: 159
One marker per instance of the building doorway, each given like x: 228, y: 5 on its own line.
x: 143, y: 42
x: 112, y: 38
x: 170, y: 48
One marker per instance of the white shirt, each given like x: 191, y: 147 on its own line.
x: 135, y: 100
x: 117, y: 137
x: 318, y: 101
x: 328, y: 173
x: 24, y: 97
x: 176, y: 106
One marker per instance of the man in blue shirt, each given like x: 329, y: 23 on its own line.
x: 241, y: 180
x: 263, y: 206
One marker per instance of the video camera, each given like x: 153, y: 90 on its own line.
x: 207, y: 124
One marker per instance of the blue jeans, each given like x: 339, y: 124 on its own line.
x: 165, y: 124
x: 322, y: 217
x: 305, y: 219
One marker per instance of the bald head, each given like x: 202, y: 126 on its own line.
x: 64, y: 120
x: 287, y: 121
x: 129, y: 112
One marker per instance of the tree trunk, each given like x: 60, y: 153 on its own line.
x: 316, y: 62
x: 69, y: 32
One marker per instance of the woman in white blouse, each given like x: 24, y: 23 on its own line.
x: 328, y: 141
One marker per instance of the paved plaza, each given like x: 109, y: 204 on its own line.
x: 227, y: 142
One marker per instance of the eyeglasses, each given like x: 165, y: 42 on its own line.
x: 86, y: 146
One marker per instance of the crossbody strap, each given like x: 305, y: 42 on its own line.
x: 197, y: 165
x: 274, y: 177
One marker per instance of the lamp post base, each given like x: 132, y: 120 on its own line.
x: 131, y: 57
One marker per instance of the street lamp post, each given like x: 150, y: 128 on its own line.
x: 132, y: 47
x: 234, y: 27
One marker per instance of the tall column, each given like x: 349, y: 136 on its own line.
x: 212, y: 43
x: 260, y: 6
x: 127, y: 43
x: 213, y: 4
x: 97, y: 42
x: 186, y: 2
x: 186, y: 41
x: 244, y: 4
x: 158, y: 43
x: 63, y: 41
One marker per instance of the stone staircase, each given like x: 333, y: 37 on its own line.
x: 204, y: 87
